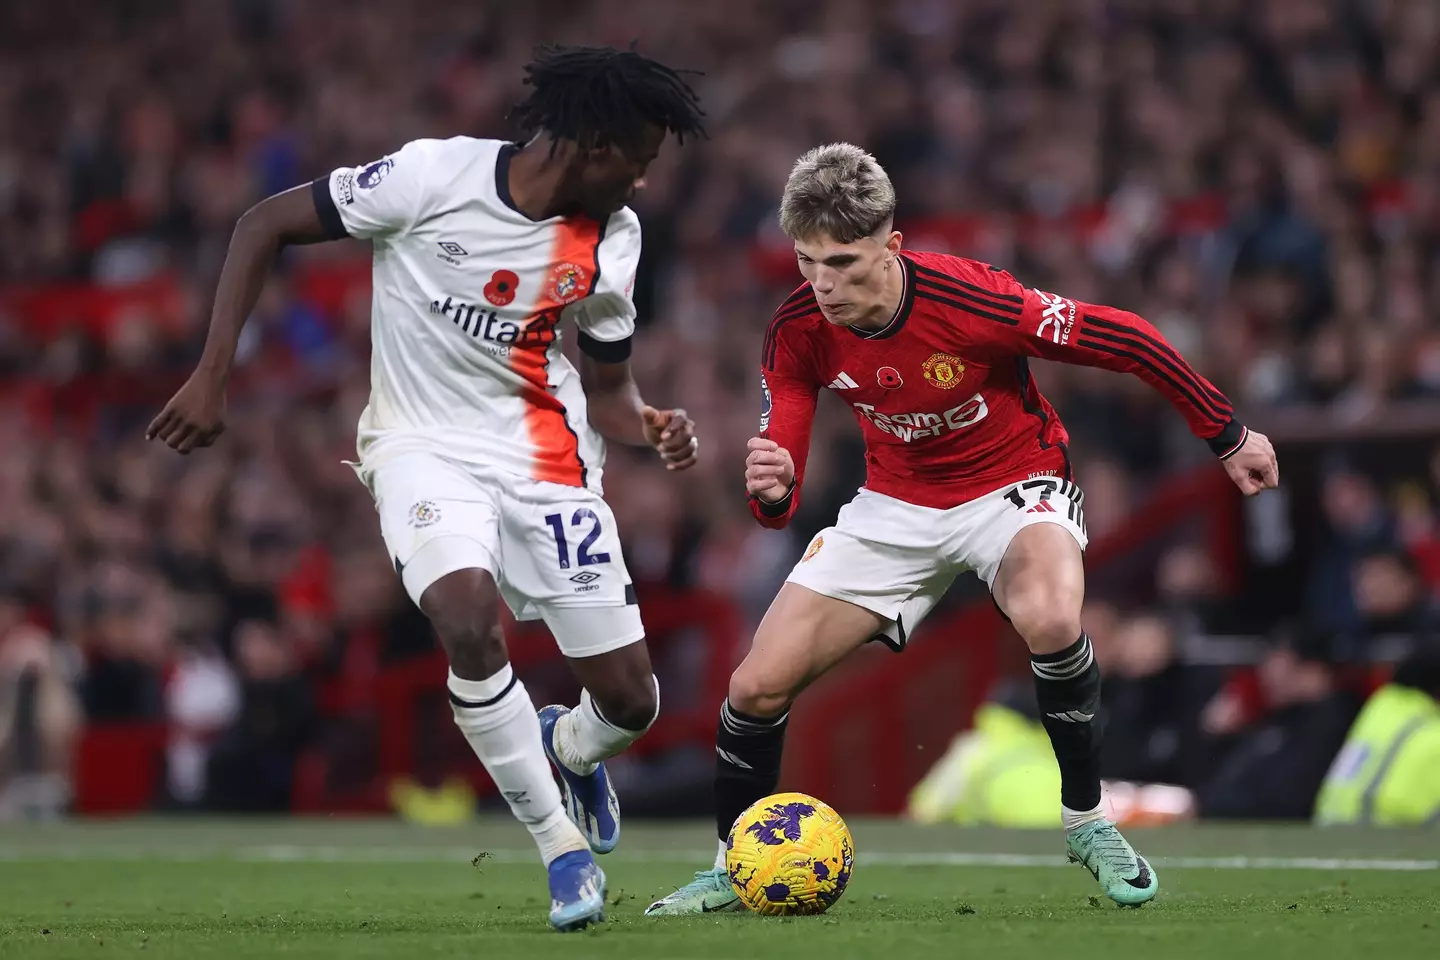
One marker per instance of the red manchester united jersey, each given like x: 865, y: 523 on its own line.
x: 944, y: 394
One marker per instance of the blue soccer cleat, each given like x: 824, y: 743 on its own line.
x: 577, y: 891
x: 590, y: 799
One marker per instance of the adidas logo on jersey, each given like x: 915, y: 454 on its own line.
x: 500, y: 335
x: 843, y: 382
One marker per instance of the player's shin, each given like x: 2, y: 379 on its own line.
x: 584, y: 737
x: 747, y: 765
x: 498, y: 719
x: 1067, y: 685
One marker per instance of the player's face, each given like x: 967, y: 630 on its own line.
x: 609, y: 177
x: 849, y: 279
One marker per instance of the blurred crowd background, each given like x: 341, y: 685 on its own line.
x: 1256, y: 177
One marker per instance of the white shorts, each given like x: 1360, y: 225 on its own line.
x: 552, y: 549
x: 898, y: 559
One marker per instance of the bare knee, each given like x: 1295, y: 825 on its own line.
x: 1040, y: 587
x: 760, y: 693
x: 631, y: 707
x: 1045, y: 622
x: 802, y: 635
x: 463, y: 608
x: 622, y: 685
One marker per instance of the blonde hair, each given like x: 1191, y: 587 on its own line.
x: 839, y: 191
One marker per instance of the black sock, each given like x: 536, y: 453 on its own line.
x: 747, y: 762
x: 1067, y: 685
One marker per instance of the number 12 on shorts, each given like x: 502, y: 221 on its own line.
x: 583, y: 556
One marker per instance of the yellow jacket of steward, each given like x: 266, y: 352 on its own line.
x: 1388, y: 772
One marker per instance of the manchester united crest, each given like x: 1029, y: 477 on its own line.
x: 813, y: 549
x: 943, y: 370
x: 567, y: 282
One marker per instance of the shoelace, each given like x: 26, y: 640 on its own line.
x: 707, y: 878
x: 1110, y: 846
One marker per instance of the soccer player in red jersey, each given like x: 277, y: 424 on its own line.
x: 968, y: 469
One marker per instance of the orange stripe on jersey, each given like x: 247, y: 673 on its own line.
x: 570, y: 276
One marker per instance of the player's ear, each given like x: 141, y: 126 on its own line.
x: 893, y: 242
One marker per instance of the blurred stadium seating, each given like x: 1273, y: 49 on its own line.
x: 1257, y: 177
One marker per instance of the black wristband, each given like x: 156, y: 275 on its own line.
x: 1228, y: 441
x: 777, y: 508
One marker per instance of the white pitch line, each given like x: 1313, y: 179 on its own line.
x: 298, y: 853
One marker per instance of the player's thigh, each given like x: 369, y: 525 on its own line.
x: 436, y: 519
x: 463, y: 607
x: 845, y: 592
x: 882, y: 555
x: 802, y: 635
x: 1029, y: 549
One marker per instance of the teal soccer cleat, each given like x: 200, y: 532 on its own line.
x: 709, y: 892
x: 1124, y: 875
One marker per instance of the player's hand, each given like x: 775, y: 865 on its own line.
x: 769, y: 471
x: 672, y: 433
x: 1253, y: 466
x: 194, y: 417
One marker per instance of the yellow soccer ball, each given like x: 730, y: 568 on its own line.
x: 789, y: 854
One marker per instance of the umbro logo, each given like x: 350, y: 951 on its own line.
x: 449, y: 250
x: 843, y: 382
x: 585, y: 576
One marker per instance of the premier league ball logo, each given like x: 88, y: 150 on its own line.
x: 371, y: 176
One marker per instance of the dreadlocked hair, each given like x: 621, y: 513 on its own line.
x: 600, y: 96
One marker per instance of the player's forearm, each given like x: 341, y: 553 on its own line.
x: 615, y: 411
x: 786, y: 420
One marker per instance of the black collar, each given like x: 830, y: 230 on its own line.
x: 502, y: 176
x: 902, y: 313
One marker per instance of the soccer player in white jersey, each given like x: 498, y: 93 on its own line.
x: 482, y: 445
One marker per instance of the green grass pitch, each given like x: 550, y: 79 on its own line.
x: 353, y: 890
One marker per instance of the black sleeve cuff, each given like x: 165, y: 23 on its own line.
x: 605, y: 351
x: 325, y: 207
x: 1225, y: 443
x: 777, y: 509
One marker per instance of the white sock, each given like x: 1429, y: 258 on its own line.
x: 498, y: 719
x: 583, y: 738
x: 720, y: 858
x: 1078, y: 818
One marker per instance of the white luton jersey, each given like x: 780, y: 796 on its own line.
x: 469, y: 295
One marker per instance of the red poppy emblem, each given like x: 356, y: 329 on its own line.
x: 889, y: 378
x: 501, y: 288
